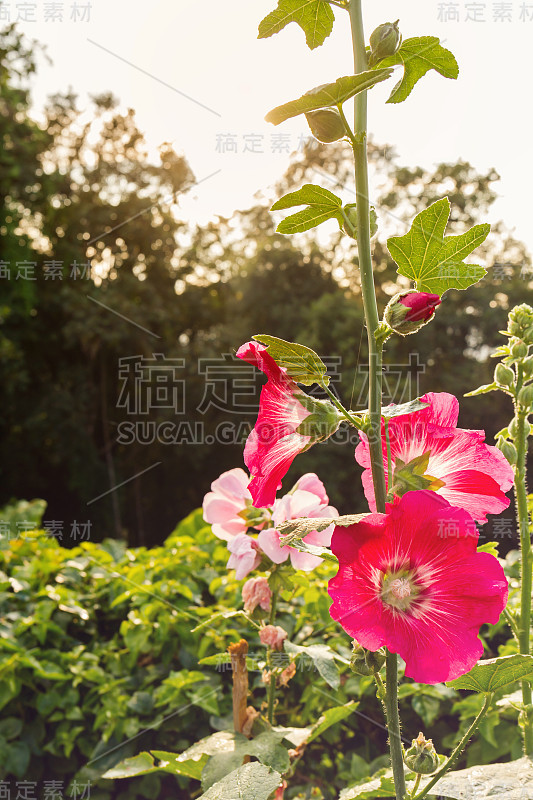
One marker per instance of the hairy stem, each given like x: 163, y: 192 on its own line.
x: 365, y: 258
x: 271, y: 692
x: 524, y: 627
x: 375, y: 348
x: 458, y: 750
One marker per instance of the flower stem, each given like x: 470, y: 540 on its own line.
x: 458, y: 750
x: 416, y: 784
x: 271, y: 691
x: 393, y: 724
x: 520, y: 487
x: 365, y: 258
x: 375, y: 349
x: 350, y: 417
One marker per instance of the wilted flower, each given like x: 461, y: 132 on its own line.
x: 272, y: 636
x: 245, y: 555
x: 256, y: 592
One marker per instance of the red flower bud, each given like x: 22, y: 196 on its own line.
x: 407, y: 311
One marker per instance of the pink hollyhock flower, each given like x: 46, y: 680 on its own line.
x: 299, y: 504
x: 245, y: 555
x: 310, y: 482
x: 277, y: 439
x: 469, y: 473
x: 228, y: 506
x: 256, y: 592
x: 273, y: 636
x: 413, y: 580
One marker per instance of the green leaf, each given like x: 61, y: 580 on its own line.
x: 145, y: 763
x: 292, y: 530
x: 310, y: 195
x: 328, y: 94
x: 489, y: 547
x: 266, y: 748
x: 252, y: 781
x: 306, y: 219
x: 315, y: 550
x: 432, y: 260
x: 418, y: 55
x: 322, y: 205
x: 388, y: 412
x: 495, y: 673
x: 303, y: 365
x: 10, y: 727
x: 485, y: 389
x: 382, y: 786
x: 322, y: 657
x: 331, y: 717
x: 315, y: 18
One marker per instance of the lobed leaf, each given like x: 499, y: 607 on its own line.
x: 315, y: 18
x: 417, y: 56
x: 328, y: 94
x: 495, y: 673
x: 253, y: 781
x: 292, y: 530
x: 322, y: 657
x: 302, y: 364
x: 432, y: 260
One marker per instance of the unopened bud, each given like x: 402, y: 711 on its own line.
x: 527, y: 367
x: 508, y: 449
x: 421, y: 756
x: 503, y: 375
x: 408, y: 311
x: 519, y: 350
x: 326, y: 125
x: 384, y: 41
x: 525, y: 396
x: 521, y: 322
x: 350, y: 209
x: 366, y: 662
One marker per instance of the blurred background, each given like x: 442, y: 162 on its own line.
x: 128, y: 280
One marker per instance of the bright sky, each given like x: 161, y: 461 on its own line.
x: 196, y: 75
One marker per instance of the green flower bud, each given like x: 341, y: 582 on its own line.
x: 350, y: 209
x: 504, y: 375
x: 525, y: 396
x: 384, y: 41
x: 528, y: 335
x: 521, y: 321
x: 519, y: 350
x: 527, y: 367
x: 513, y: 428
x: 508, y: 449
x: 365, y: 662
x: 326, y: 125
x: 421, y: 756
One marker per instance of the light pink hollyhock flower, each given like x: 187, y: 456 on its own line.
x: 413, y: 580
x: 256, y: 592
x: 310, y: 482
x: 225, y: 505
x: 474, y: 475
x: 298, y: 504
x: 273, y: 636
x: 275, y: 441
x: 245, y: 555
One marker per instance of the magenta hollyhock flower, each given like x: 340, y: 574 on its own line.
x: 412, y: 580
x: 298, y: 504
x: 275, y: 441
x: 245, y: 555
x: 469, y: 473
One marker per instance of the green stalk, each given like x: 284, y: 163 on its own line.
x: 393, y: 724
x: 365, y: 258
x: 520, y: 488
x: 458, y: 750
x: 374, y: 358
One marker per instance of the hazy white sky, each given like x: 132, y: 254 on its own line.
x: 197, y: 76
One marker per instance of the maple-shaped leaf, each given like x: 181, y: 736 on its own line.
x: 434, y: 261
x: 315, y: 18
x: 417, y: 56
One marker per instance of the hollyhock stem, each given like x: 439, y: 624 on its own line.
x: 520, y: 487
x: 350, y: 417
x: 365, y: 257
x: 375, y: 349
x: 458, y: 750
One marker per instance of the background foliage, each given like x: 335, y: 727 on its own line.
x: 79, y: 187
